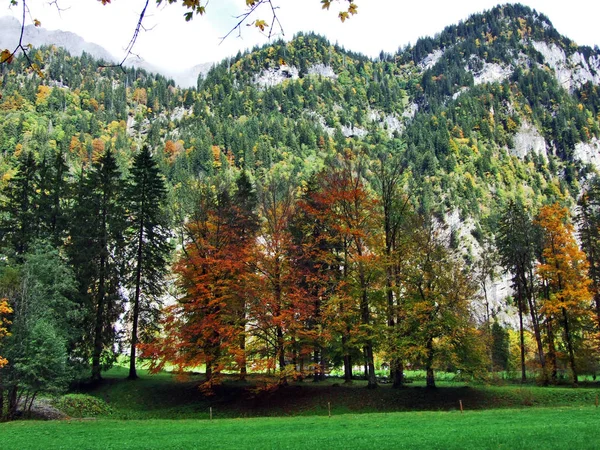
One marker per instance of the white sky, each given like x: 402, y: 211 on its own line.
x: 379, y: 25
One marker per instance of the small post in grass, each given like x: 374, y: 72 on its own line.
x: 329, y: 407
x: 461, y: 406
x: 210, y: 412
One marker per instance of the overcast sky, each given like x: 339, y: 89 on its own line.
x: 379, y: 25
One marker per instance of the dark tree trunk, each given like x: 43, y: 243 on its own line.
x: 569, y: 340
x: 99, y: 323
x: 430, y: 380
x: 522, y: 341
x: 347, y: 361
x: 536, y: 328
x: 136, y: 302
x: 366, y: 319
x: 280, y: 349
x: 397, y: 373
x: 551, y: 350
x: 243, y: 368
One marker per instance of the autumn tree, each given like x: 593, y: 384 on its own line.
x: 279, y: 302
x: 564, y: 268
x: 208, y: 323
x: 5, y: 311
x: 317, y: 255
x: 147, y: 245
x: 389, y: 176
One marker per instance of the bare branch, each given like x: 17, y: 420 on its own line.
x: 129, y: 48
x: 7, y: 58
x: 243, y: 18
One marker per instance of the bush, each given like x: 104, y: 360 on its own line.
x: 82, y: 405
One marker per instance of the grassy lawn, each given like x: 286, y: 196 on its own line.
x: 511, y: 429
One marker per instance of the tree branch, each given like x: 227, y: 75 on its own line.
x: 136, y: 32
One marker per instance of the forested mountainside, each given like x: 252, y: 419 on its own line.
x: 317, y: 208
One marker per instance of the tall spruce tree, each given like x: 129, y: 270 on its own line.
x: 96, y: 250
x: 147, y: 245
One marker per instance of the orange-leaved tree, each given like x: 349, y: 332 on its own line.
x: 207, y: 324
x: 281, y: 310
x: 564, y: 268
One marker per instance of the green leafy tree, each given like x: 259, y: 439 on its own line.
x: 46, y: 324
x: 588, y: 219
x: 517, y: 241
x: 438, y: 288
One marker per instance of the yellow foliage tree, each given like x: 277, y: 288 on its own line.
x: 564, y: 270
x: 5, y: 309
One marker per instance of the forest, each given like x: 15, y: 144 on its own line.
x: 354, y: 217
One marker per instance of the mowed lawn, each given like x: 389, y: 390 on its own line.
x: 560, y: 428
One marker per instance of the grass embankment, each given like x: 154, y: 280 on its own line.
x: 163, y: 397
x: 511, y: 429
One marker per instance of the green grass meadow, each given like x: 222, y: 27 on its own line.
x: 161, y: 411
x: 560, y: 428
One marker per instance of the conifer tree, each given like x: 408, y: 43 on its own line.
x: 147, y: 245
x: 18, y: 213
x: 96, y: 252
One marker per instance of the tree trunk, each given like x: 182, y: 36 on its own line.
x: 347, y: 361
x: 280, y: 349
x: 522, y: 341
x: 551, y: 350
x: 136, y: 300
x: 569, y: 340
x: 597, y: 300
x: 536, y: 329
x: 397, y: 373
x: 430, y: 383
x: 243, y: 368
x: 99, y: 324
x: 366, y: 320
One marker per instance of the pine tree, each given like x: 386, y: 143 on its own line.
x: 147, y: 245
